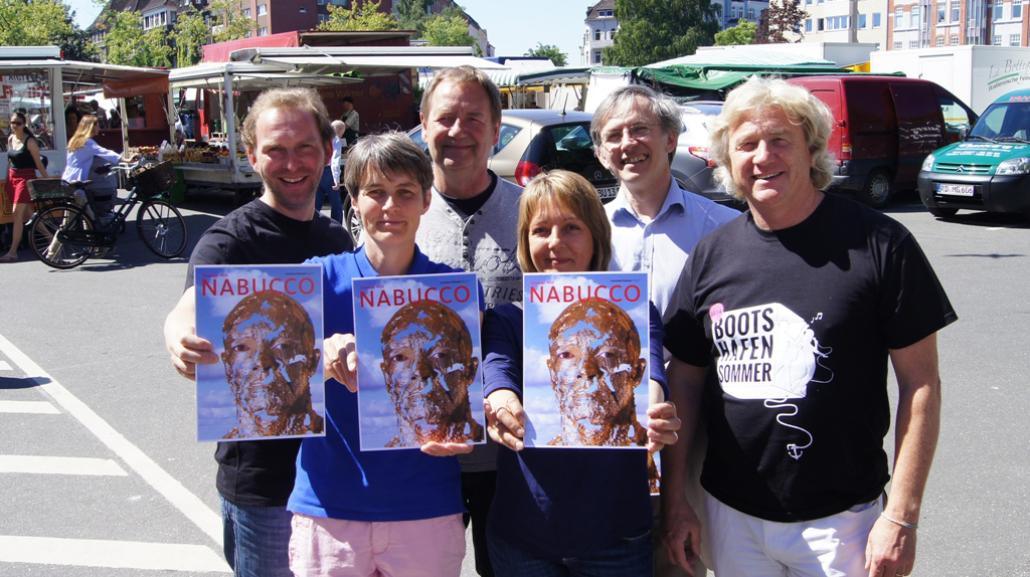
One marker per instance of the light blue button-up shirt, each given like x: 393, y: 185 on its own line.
x: 663, y: 245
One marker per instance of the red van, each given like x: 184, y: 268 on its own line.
x: 884, y: 127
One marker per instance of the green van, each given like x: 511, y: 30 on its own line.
x: 989, y: 170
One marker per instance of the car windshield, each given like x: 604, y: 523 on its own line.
x: 1006, y: 121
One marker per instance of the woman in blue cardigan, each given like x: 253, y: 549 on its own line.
x: 564, y: 512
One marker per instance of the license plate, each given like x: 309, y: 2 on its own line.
x: 606, y: 192
x: 955, y: 189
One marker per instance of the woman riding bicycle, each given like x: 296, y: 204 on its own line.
x: 23, y: 161
x: 82, y: 150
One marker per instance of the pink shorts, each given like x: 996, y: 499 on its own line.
x: 322, y: 547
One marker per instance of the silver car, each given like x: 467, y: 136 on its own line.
x: 692, y: 166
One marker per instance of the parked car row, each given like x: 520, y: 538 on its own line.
x: 890, y: 133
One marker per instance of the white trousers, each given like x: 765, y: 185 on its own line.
x: 746, y: 546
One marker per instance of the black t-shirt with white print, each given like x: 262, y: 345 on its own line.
x: 260, y: 473
x: 796, y: 325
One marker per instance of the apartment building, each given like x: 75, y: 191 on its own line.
x: 845, y: 21
x: 932, y: 23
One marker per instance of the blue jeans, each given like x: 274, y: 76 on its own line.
x: 256, y: 540
x: 325, y: 188
x: 628, y: 558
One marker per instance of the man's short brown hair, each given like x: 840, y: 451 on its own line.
x: 461, y: 75
x: 304, y: 99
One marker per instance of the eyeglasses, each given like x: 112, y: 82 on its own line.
x: 613, y: 138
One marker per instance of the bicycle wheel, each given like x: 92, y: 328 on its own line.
x: 56, y: 236
x: 161, y: 228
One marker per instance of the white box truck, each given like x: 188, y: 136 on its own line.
x: 976, y: 74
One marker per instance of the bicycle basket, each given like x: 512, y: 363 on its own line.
x: 52, y: 188
x: 155, y: 179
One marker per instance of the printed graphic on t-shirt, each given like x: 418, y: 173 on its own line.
x: 768, y: 352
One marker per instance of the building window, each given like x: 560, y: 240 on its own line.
x: 323, y: 17
x: 597, y: 56
x: 808, y: 24
x: 262, y: 10
x: 1013, y: 39
x: 597, y: 35
x: 913, y: 44
x: 1017, y: 9
x: 941, y: 12
x: 996, y: 40
x: 897, y: 44
x: 246, y: 12
x: 954, y: 10
x: 876, y: 19
x: 999, y: 10
x: 861, y: 21
x: 898, y: 15
x: 752, y: 14
x: 913, y: 19
x: 939, y: 41
x: 953, y: 40
x: 820, y: 25
x: 263, y: 31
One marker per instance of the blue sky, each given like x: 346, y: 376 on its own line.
x: 512, y: 27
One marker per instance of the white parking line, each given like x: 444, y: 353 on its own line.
x: 110, y: 554
x: 169, y: 487
x: 32, y: 407
x: 36, y: 464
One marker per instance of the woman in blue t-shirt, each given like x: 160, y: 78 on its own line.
x: 564, y: 511
x: 395, y: 512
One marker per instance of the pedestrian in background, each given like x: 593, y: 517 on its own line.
x: 24, y: 161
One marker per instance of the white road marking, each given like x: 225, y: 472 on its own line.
x: 110, y: 554
x: 169, y: 487
x: 36, y: 464
x: 4, y: 366
x: 33, y: 407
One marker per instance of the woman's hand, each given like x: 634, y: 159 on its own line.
x: 505, y: 419
x: 662, y: 426
x: 340, y: 358
x: 436, y: 449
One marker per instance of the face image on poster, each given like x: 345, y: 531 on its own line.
x: 419, y: 359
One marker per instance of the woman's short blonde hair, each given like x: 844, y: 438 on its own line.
x: 802, y: 108
x: 571, y: 192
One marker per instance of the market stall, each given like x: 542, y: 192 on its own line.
x: 37, y: 81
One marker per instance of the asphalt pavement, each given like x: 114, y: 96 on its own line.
x: 102, y: 476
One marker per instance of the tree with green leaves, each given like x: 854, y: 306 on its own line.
x: 781, y: 22
x: 154, y: 49
x: 123, y: 38
x: 742, y: 33
x: 655, y: 30
x: 411, y: 14
x: 364, y: 15
x: 551, y: 51
x: 43, y: 23
x: 230, y: 23
x: 190, y: 34
x: 448, y: 29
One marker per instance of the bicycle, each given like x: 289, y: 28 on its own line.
x: 64, y: 233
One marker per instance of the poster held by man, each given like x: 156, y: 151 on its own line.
x: 265, y: 322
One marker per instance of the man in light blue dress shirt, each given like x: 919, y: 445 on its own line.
x: 655, y: 224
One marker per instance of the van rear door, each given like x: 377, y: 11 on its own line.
x: 920, y: 128
x: 830, y: 94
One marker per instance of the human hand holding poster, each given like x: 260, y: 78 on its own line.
x: 265, y: 324
x: 585, y: 373
x: 419, y: 357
